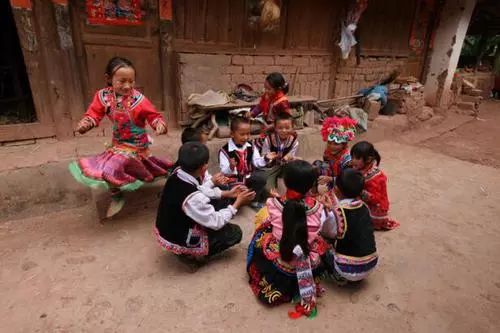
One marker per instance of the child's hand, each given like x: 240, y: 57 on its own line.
x: 85, y: 125
x: 288, y: 158
x: 219, y: 179
x: 232, y: 164
x: 244, y: 198
x: 326, y: 201
x: 235, y: 191
x: 325, y: 180
x: 274, y: 193
x: 271, y: 156
x: 161, y: 128
x: 322, y: 188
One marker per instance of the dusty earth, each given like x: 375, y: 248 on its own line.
x: 439, y: 272
x: 477, y: 141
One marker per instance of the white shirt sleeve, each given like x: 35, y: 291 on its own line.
x: 265, y: 147
x: 225, y: 166
x: 197, y: 206
x: 328, y: 224
x: 257, y: 160
x: 295, y: 147
x: 207, y: 176
x: 208, y: 188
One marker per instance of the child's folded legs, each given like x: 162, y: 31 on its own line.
x: 257, y: 183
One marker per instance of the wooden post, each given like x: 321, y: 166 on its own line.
x: 67, y: 52
x: 56, y: 81
x: 167, y: 60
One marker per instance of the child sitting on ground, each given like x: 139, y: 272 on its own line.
x: 279, y: 147
x: 354, y: 255
x: 239, y: 160
x: 211, y: 185
x: 284, y: 255
x: 337, y: 133
x: 274, y: 101
x: 366, y: 159
x: 187, y: 224
x: 198, y: 134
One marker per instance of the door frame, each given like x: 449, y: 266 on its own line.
x: 28, y: 31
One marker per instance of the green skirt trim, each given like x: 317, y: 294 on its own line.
x: 77, y: 173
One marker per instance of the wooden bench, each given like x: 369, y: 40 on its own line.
x: 202, y: 113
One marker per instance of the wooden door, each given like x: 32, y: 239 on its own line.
x: 424, y: 21
x: 95, y: 44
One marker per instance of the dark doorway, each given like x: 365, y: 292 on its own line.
x: 16, y: 102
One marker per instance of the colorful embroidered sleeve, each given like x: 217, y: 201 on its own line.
x: 149, y: 113
x: 346, y: 161
x: 282, y: 107
x: 256, y: 110
x: 262, y: 107
x: 96, y: 110
x: 375, y: 194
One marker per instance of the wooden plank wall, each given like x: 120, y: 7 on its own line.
x: 385, y: 26
x: 223, y: 25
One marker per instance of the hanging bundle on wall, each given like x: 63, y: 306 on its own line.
x: 264, y: 14
x: 270, y: 16
x: 349, y: 26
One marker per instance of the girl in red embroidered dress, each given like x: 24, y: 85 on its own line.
x: 128, y: 163
x: 274, y: 101
x: 367, y: 159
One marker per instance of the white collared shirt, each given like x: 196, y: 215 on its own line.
x: 197, y: 206
x: 225, y: 166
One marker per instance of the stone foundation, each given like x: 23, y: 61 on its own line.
x: 198, y: 73
x: 350, y: 77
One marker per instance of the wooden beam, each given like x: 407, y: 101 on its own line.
x: 25, y: 131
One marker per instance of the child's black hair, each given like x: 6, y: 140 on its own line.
x: 365, y: 150
x: 237, y: 121
x: 277, y: 82
x: 192, y: 156
x: 283, y: 116
x: 350, y: 183
x: 115, y: 64
x: 299, y: 176
x: 320, y: 167
x: 190, y: 134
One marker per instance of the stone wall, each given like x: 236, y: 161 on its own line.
x: 199, y: 72
x: 350, y: 78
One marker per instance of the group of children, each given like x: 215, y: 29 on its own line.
x: 321, y: 224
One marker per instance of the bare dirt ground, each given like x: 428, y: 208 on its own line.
x: 477, y: 141
x: 439, y: 272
